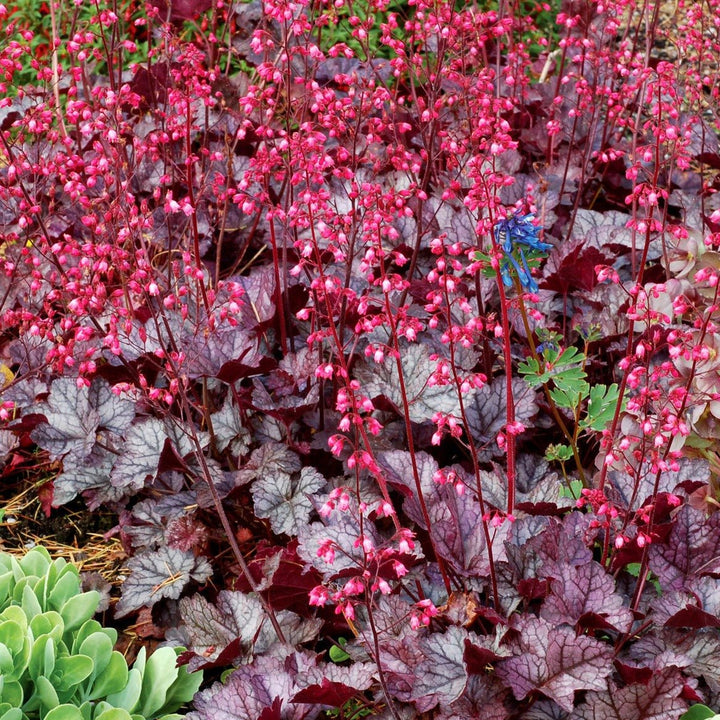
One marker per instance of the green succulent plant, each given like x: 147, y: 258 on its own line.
x: 57, y: 663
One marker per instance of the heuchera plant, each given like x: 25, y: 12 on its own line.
x: 389, y: 333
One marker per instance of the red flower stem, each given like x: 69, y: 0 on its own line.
x: 509, y: 398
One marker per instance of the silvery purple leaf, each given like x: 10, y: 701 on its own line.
x: 285, y: 500
x: 71, y: 421
x: 442, y: 674
x: 455, y: 520
x: 158, y: 574
x: 229, y: 430
x: 116, y: 411
x: 424, y: 400
x: 211, y: 628
x: 658, y: 699
x: 487, y: 414
x: 269, y: 459
x: 579, y: 590
x: 693, y: 548
x: 78, y: 476
x: 555, y: 661
x: 251, y: 690
x: 144, y: 443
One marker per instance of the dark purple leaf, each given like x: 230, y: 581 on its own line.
x: 326, y: 693
x: 478, y: 659
x: 692, y: 617
x: 571, y: 266
x: 288, y: 583
x: 334, y: 685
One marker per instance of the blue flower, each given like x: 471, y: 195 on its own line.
x: 514, y: 235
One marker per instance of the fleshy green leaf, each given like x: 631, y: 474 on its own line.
x: 80, y: 608
x: 112, y: 679
x: 64, y: 712
x: 160, y: 673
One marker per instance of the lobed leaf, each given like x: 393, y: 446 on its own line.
x: 555, y: 661
x: 157, y: 574
x: 285, y: 500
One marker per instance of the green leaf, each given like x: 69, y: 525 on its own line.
x: 529, y: 366
x: 99, y: 647
x: 90, y: 627
x: 129, y: 696
x: 80, y: 608
x: 12, y: 693
x: 700, y: 712
x: 42, y: 654
x: 574, y: 491
x: 14, y: 713
x: 7, y: 662
x: 183, y: 690
x: 12, y: 635
x: 558, y: 453
x: 114, y: 714
x: 564, y: 399
x: 66, y: 587
x: 64, y: 712
x: 337, y: 654
x: 27, y: 599
x: 601, y: 407
x: 160, y: 674
x: 45, y: 691
x: 72, y: 670
x: 48, y: 623
x: 112, y: 679
x: 36, y: 562
x: 6, y: 582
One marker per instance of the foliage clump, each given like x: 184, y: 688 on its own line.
x: 57, y: 663
x: 385, y: 325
